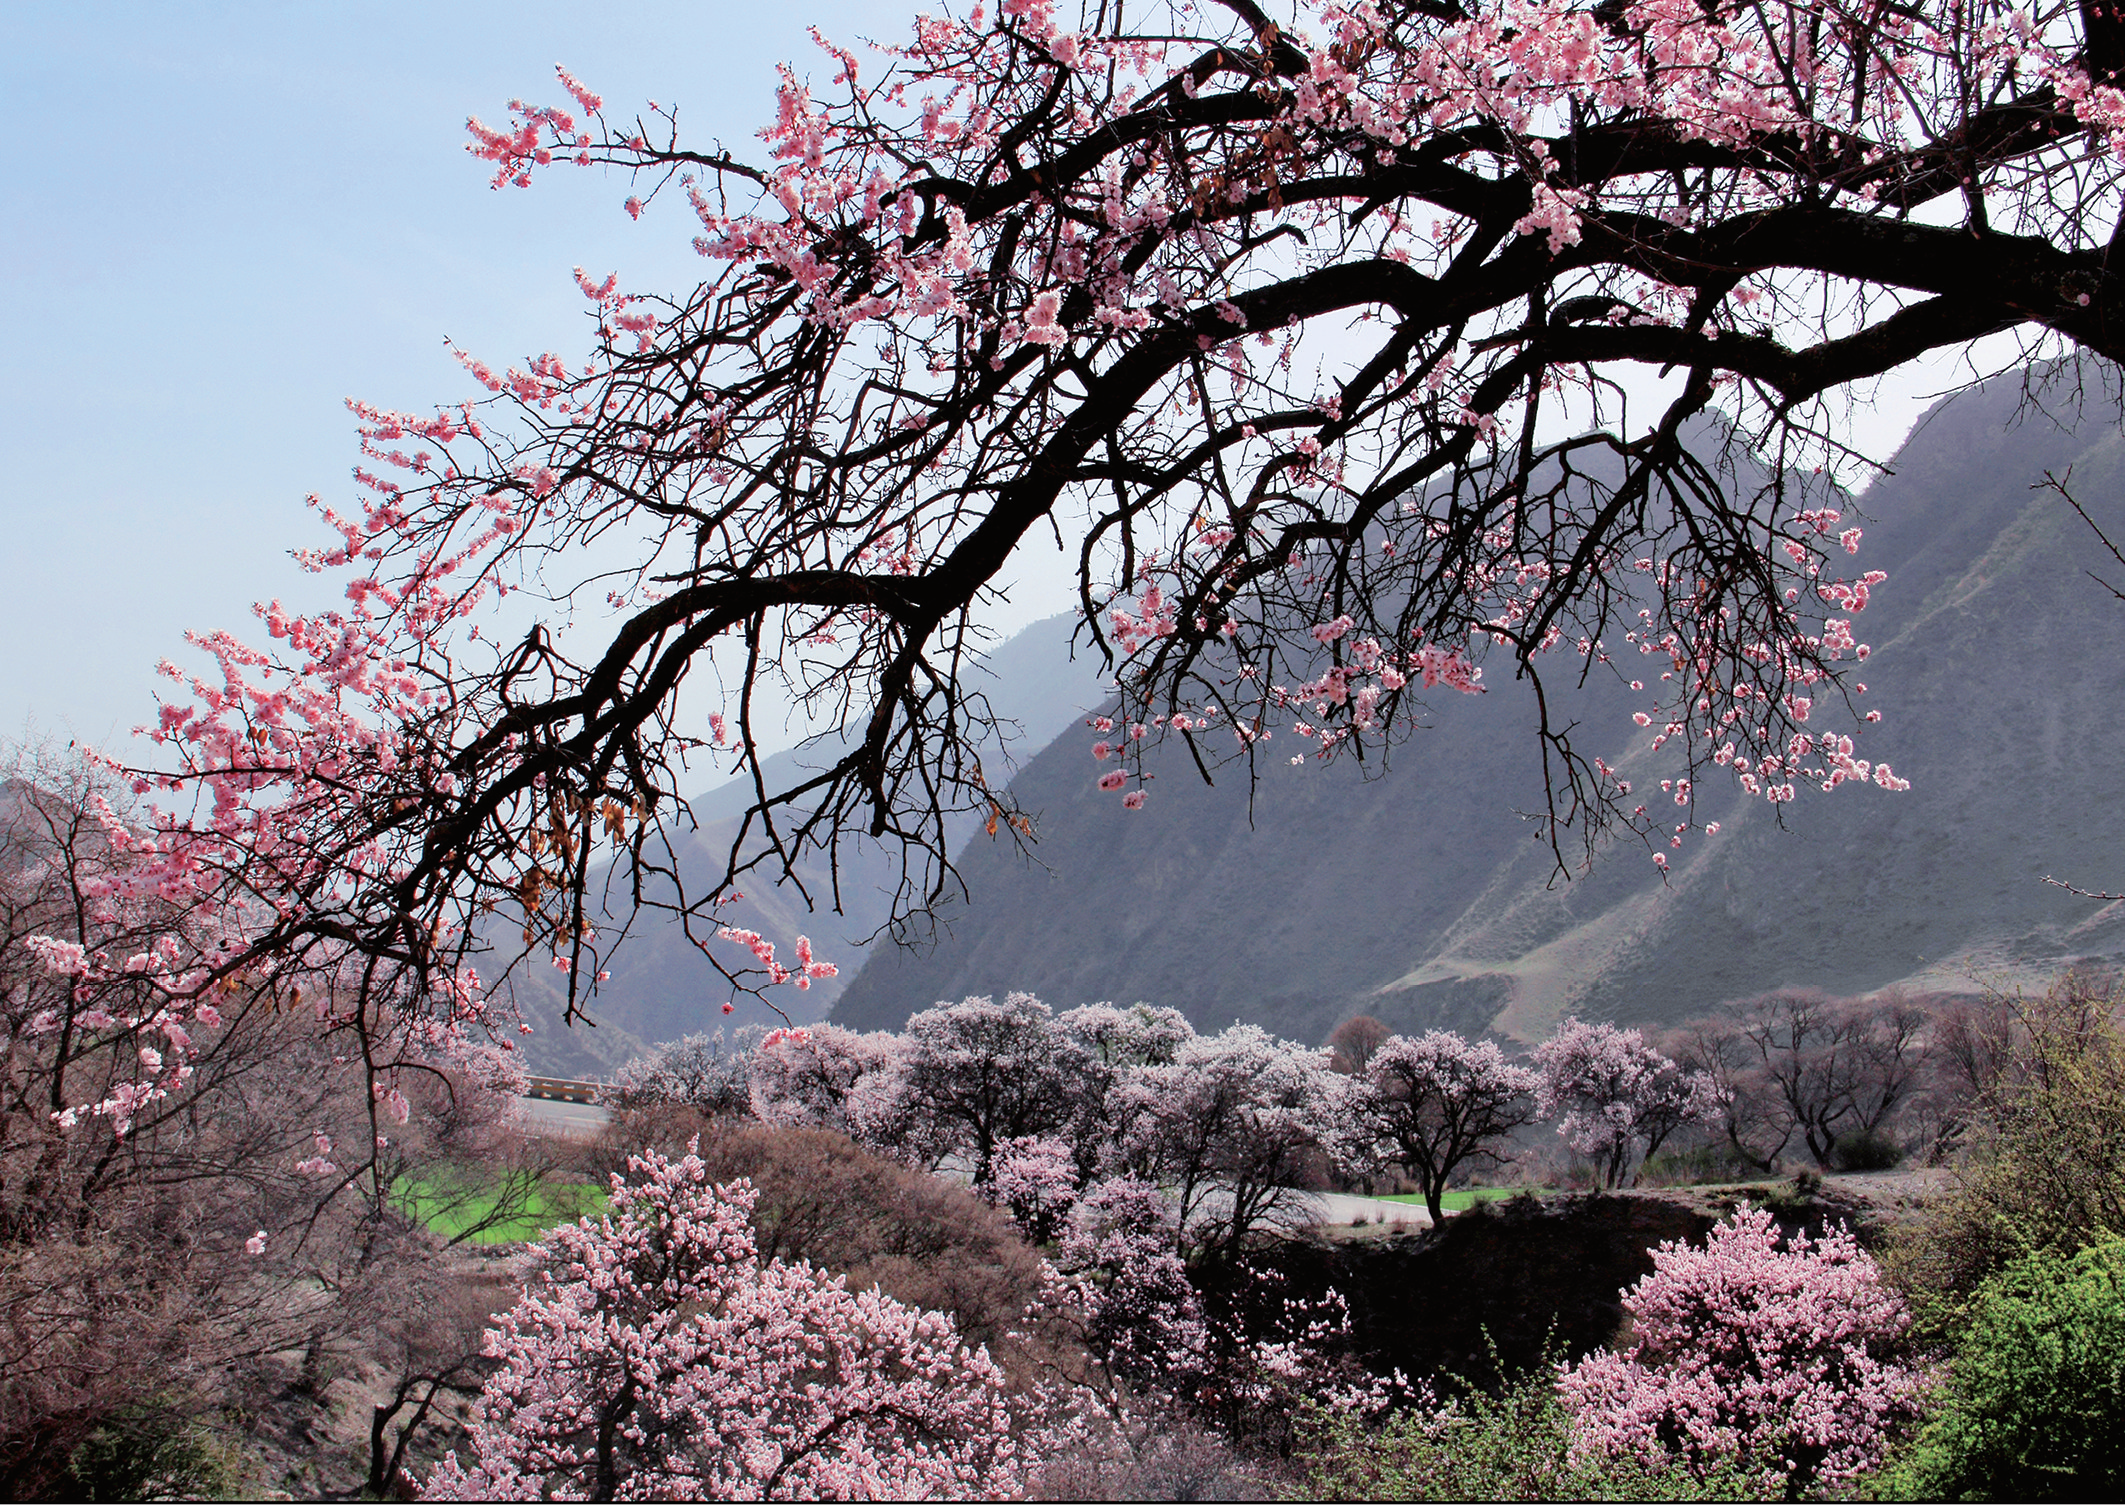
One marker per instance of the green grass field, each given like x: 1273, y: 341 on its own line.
x: 1461, y: 1201
x: 449, y: 1209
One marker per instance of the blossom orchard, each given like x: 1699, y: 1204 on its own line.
x: 1229, y: 1125
x: 1264, y: 321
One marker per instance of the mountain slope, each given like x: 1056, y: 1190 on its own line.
x: 661, y: 987
x: 1420, y: 898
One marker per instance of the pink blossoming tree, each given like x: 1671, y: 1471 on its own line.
x: 1035, y: 1179
x: 1433, y: 1103
x: 804, y: 1077
x: 657, y: 1356
x: 1780, y: 1356
x: 971, y: 1075
x: 1140, y: 1312
x: 1048, y: 271
x: 1230, y: 1128
x: 1616, y: 1099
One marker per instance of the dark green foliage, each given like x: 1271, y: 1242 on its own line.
x: 1870, y: 1150
x: 2033, y: 1407
x: 144, y: 1452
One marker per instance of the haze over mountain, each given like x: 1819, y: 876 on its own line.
x: 1418, y: 896
x: 661, y: 986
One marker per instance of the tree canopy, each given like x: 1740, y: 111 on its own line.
x: 1350, y: 351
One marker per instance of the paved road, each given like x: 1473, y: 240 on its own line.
x: 567, y: 1120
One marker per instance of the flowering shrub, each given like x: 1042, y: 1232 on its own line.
x: 1744, y: 1350
x: 1519, y: 1443
x: 658, y: 1356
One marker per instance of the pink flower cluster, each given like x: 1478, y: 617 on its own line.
x: 657, y: 1356
x: 1772, y: 1351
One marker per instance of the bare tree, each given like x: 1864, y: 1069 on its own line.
x: 1752, y: 1119
x: 1354, y: 1042
x: 1825, y: 1068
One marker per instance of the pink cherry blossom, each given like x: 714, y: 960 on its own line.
x: 1771, y: 1351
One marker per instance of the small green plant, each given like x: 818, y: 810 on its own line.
x: 2033, y: 1405
x: 1871, y: 1150
x: 146, y: 1452
x: 1512, y: 1442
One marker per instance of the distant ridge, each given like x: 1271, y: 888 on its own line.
x: 662, y: 988
x: 1418, y: 897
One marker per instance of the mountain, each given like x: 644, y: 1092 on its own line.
x: 1417, y: 895
x: 661, y: 987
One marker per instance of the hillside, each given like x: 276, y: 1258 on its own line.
x: 662, y: 988
x: 1417, y: 895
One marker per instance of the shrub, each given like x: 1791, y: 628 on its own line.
x: 823, y: 1198
x: 2033, y: 1406
x: 1517, y: 1444
x: 1699, y: 1165
x: 146, y: 1452
x: 1745, y: 1350
x: 2043, y: 1163
x: 1866, y: 1150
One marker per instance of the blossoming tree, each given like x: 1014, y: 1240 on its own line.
x: 1230, y: 1128
x: 1780, y: 1357
x: 1614, y: 1097
x: 974, y: 1074
x: 1433, y: 1103
x: 1266, y: 319
x: 657, y: 1356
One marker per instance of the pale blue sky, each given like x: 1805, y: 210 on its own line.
x: 220, y: 220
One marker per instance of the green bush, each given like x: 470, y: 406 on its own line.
x: 1512, y: 1445
x: 2033, y: 1407
x: 1869, y: 1150
x: 2043, y: 1164
x: 144, y: 1452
